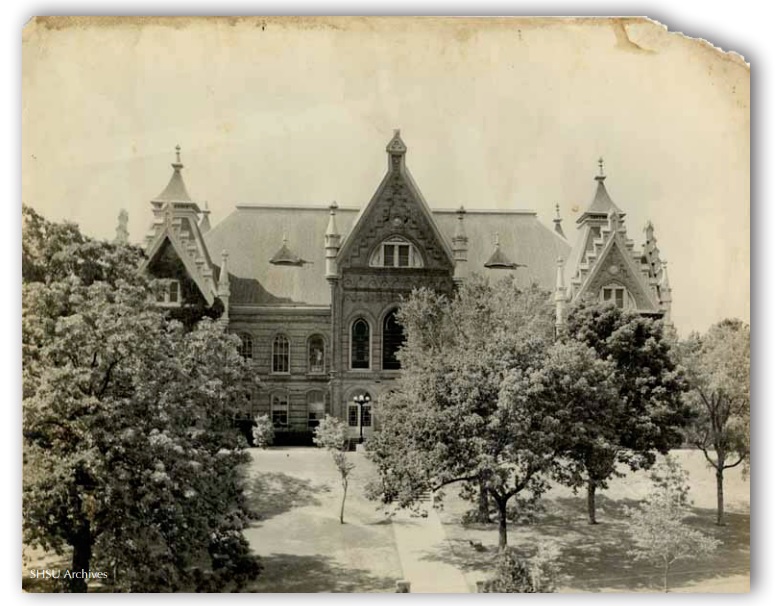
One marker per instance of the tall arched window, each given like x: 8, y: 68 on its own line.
x: 246, y: 346
x: 281, y: 354
x: 316, y: 408
x: 280, y: 410
x: 360, y: 339
x: 392, y: 340
x: 316, y: 354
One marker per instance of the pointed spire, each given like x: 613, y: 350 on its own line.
x: 223, y: 278
x: 176, y: 189
x: 285, y: 256
x: 460, y: 239
x: 331, y: 228
x: 396, y: 150
x: 602, y: 203
x: 122, y: 232
x: 204, y: 223
x: 559, y: 284
x: 558, y: 221
x: 664, y: 281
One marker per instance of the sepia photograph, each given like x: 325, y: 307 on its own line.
x: 384, y: 305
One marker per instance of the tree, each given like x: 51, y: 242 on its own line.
x: 516, y: 574
x: 466, y: 408
x: 719, y: 366
x: 649, y: 412
x: 331, y: 434
x: 131, y: 459
x: 263, y: 431
x: 658, y: 528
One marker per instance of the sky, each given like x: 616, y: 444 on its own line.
x: 496, y: 114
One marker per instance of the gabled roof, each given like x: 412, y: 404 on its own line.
x: 601, y: 203
x: 249, y: 234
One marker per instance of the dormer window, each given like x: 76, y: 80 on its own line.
x: 396, y: 252
x: 169, y: 296
x: 617, y: 295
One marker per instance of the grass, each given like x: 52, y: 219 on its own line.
x: 594, y: 558
x: 296, y: 494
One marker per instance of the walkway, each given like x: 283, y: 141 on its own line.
x: 420, y: 543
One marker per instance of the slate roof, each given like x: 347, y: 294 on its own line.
x: 176, y: 189
x: 252, y: 234
x: 602, y: 203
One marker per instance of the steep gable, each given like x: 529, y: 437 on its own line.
x: 396, y: 209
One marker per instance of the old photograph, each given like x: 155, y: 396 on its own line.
x: 384, y: 304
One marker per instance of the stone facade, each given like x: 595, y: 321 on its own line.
x: 315, y: 310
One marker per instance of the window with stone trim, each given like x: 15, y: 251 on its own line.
x: 352, y: 415
x: 615, y: 294
x: 396, y: 252
x: 280, y: 410
x: 246, y: 346
x: 281, y: 354
x: 169, y: 296
x: 316, y: 354
x: 360, y: 343
x: 392, y: 340
x: 316, y: 408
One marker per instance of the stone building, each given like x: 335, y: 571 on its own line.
x: 312, y: 291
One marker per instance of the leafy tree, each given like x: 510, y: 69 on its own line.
x: 516, y: 574
x: 331, y: 434
x: 658, y: 528
x: 649, y: 412
x: 719, y: 367
x: 263, y: 431
x: 131, y: 459
x: 467, y: 408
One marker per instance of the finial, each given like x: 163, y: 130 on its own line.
x: 600, y: 164
x: 333, y: 206
x: 224, y: 254
x: 396, y: 132
x: 557, y: 210
x: 206, y: 211
x: 460, y: 212
x: 497, y: 239
x: 285, y: 238
x: 177, y: 154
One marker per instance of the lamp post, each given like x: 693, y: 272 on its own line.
x: 361, y: 400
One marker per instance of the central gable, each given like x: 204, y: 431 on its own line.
x: 397, y: 210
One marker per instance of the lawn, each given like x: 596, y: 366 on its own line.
x: 305, y: 549
x: 594, y: 558
x: 296, y: 492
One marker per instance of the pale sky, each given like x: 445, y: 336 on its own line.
x: 496, y: 114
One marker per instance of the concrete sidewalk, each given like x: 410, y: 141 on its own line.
x: 420, y: 542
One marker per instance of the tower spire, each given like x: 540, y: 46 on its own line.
x: 558, y: 221
x: 601, y: 175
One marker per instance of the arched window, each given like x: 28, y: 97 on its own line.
x: 246, y: 346
x: 280, y: 410
x: 281, y: 354
x: 392, y: 340
x: 316, y: 408
x: 359, y: 344
x: 616, y: 294
x: 316, y: 354
x: 396, y: 252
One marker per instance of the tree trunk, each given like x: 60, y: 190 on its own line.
x: 344, y: 496
x: 81, y: 559
x: 720, y: 494
x: 591, y: 488
x: 667, y: 573
x: 502, y: 529
x: 483, y: 507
